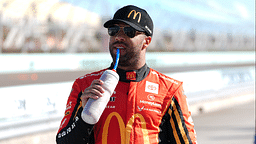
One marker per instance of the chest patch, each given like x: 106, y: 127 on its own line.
x: 131, y: 75
x: 151, y: 87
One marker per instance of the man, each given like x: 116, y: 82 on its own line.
x: 146, y: 107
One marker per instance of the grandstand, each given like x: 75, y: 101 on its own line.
x: 45, y: 26
x: 52, y: 26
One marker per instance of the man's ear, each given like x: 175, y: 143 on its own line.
x: 147, y: 41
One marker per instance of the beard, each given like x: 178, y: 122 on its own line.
x: 129, y: 59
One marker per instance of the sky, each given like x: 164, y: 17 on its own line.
x: 176, y: 14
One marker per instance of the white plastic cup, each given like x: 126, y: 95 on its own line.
x: 94, y: 108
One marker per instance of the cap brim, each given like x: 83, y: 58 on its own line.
x: 114, y: 21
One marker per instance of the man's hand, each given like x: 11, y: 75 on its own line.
x: 94, y: 91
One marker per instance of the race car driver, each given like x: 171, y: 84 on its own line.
x: 147, y: 107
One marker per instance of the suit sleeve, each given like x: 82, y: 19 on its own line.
x: 72, y: 128
x: 177, y: 125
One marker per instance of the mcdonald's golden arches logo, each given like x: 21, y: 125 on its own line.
x: 135, y: 15
x: 131, y: 75
x: 125, y: 132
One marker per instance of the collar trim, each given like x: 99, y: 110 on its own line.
x: 132, y: 75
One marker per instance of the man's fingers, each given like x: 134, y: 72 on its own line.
x: 94, y: 91
x: 97, y: 82
x: 98, y: 88
x: 85, y: 97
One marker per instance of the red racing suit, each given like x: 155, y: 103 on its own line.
x: 147, y: 107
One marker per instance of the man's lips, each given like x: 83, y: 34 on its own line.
x: 120, y: 46
x: 121, y: 49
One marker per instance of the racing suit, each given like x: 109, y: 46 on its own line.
x: 146, y: 107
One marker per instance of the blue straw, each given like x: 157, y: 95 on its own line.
x: 117, y: 58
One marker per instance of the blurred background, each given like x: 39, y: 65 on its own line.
x: 46, y: 44
x: 75, y: 26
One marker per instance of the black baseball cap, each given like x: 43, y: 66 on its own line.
x: 134, y: 16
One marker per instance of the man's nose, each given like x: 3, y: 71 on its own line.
x: 120, y: 36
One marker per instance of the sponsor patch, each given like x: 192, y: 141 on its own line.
x: 151, y: 87
x: 148, y: 109
x: 67, y: 113
x: 151, y: 97
x: 140, y: 109
x: 131, y: 75
x: 69, y: 105
x: 111, y: 107
x: 112, y: 99
x: 150, y: 103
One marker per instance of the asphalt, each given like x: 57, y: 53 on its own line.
x: 233, y: 125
